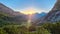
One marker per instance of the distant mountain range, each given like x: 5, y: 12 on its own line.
x: 14, y: 16
x: 38, y: 16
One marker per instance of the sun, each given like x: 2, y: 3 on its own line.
x: 28, y: 12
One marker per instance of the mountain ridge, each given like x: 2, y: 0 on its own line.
x: 53, y: 15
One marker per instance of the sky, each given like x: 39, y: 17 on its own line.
x: 41, y: 5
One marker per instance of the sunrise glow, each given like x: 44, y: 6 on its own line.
x: 29, y: 11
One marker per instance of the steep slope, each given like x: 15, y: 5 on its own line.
x: 5, y: 19
x: 5, y: 9
x: 54, y: 14
x: 9, y: 11
x: 12, y: 16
